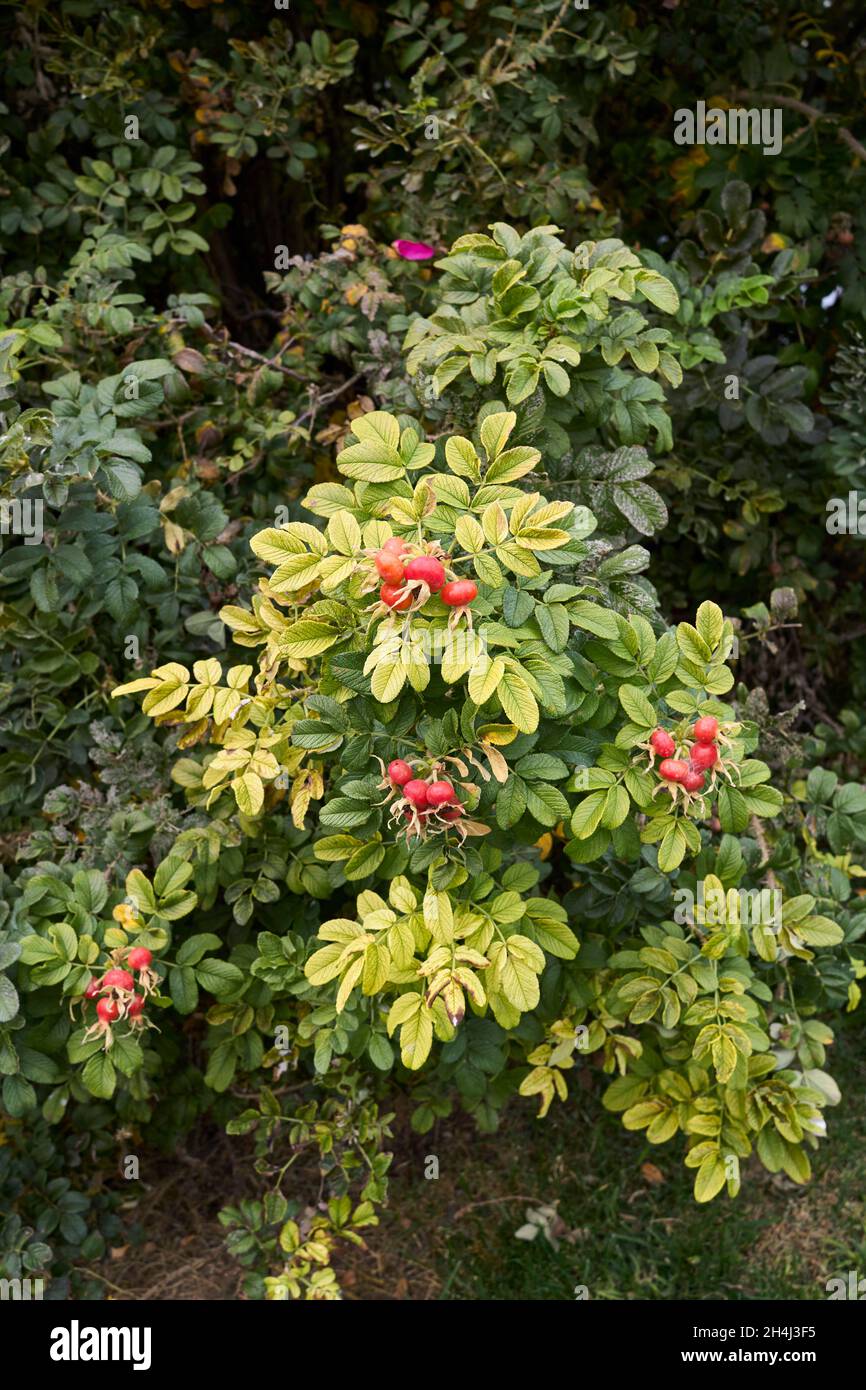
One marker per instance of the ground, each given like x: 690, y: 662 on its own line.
x: 619, y: 1211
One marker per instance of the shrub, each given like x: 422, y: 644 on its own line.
x: 532, y: 706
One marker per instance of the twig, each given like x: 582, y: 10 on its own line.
x: 329, y: 396
x: 251, y: 352
x: 812, y: 112
x: 845, y: 636
x: 493, y: 1201
x: 94, y: 1273
x: 169, y: 424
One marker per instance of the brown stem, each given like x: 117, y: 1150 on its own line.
x: 328, y: 397
x: 812, y: 112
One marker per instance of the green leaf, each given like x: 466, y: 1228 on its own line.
x: 495, y: 429
x: 546, y: 804
x: 658, y: 290
x: 8, y: 999
x: 710, y: 1178
x: 710, y: 624
x: 637, y: 706
x: 183, y: 988
x: 249, y: 793
x: 587, y: 815
x: 99, y: 1076
x: 388, y: 680
x: 672, y: 849
x: 191, y: 951
x: 512, y: 464
x: 18, y: 1096
x: 371, y: 461
x: 219, y: 977
x: 819, y: 931
x: 733, y: 810
x: 517, y: 606
x: 416, y: 1038
x: 600, y: 621
x: 510, y: 802
x: 380, y: 1052
x: 518, y: 702
x: 121, y: 594
x: 364, y: 861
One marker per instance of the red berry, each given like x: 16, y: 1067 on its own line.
x: 416, y: 792
x: 451, y: 812
x: 118, y: 979
x: 428, y: 569
x: 93, y: 988
x: 390, y: 566
x: 394, y: 546
x: 459, y: 592
x: 705, y: 729
x: 439, y: 793
x: 662, y: 743
x: 139, y: 958
x: 396, y: 597
x: 108, y: 1010
x: 703, y: 756
x: 673, y: 770
x: 693, y: 780
x: 136, y: 1006
x: 399, y: 772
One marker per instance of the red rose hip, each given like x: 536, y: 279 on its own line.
x: 705, y: 729
x: 390, y: 566
x: 399, y: 772
x: 108, y: 1010
x: 416, y: 792
x: 693, y: 780
x: 673, y: 770
x: 440, y: 794
x: 459, y: 592
x: 396, y: 597
x: 428, y: 569
x: 394, y: 546
x: 136, y: 1006
x: 139, y: 958
x: 703, y: 756
x: 118, y: 979
x: 662, y: 743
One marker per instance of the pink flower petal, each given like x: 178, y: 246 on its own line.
x: 414, y: 250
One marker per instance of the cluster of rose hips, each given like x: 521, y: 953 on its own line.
x: 423, y: 804
x: 703, y: 755
x: 115, y: 992
x: 403, y: 579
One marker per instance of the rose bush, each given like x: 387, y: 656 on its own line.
x: 539, y: 701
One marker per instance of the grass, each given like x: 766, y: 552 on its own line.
x: 622, y: 1229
